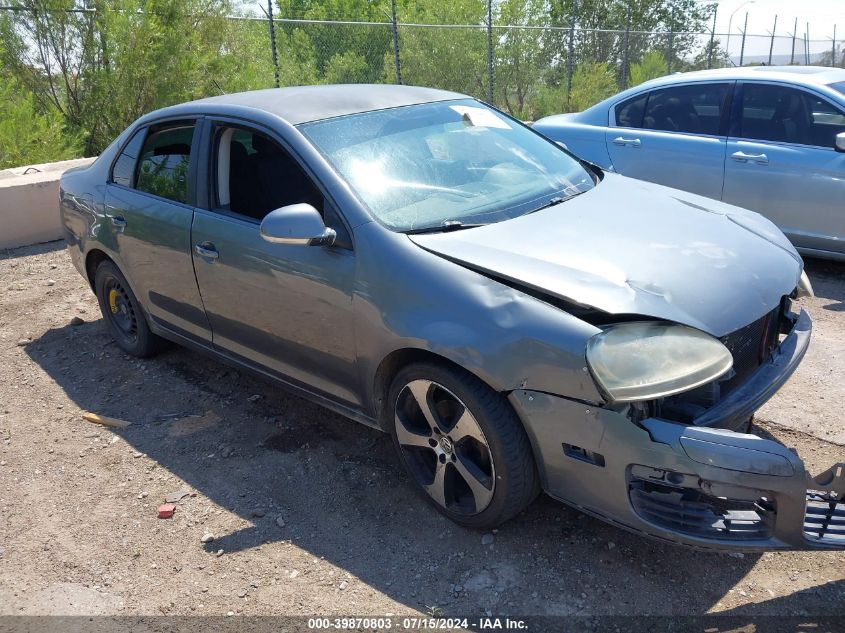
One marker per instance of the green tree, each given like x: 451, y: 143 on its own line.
x: 103, y: 67
x: 29, y: 133
x: 520, y: 55
x: 447, y: 58
x: 338, y: 49
x: 591, y: 83
x: 652, y: 66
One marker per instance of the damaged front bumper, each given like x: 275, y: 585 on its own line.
x: 697, y: 484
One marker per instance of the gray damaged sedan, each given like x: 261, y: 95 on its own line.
x: 518, y: 320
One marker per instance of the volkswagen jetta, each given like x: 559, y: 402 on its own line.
x: 517, y: 319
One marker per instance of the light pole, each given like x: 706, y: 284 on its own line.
x: 730, y: 22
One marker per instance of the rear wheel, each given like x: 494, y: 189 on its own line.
x: 122, y: 313
x: 462, y: 444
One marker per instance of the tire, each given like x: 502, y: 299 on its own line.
x: 469, y: 456
x: 122, y: 313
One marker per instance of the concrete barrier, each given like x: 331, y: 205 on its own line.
x: 29, y: 203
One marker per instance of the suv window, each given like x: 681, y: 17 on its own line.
x: 123, y: 171
x: 788, y: 115
x: 163, y: 168
x: 255, y: 175
x: 692, y: 109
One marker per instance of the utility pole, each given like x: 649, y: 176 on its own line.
x: 772, y: 43
x: 742, y: 50
x: 807, y: 44
x: 395, y: 24
x: 625, y: 56
x: 570, y: 61
x: 712, y: 38
x: 489, y: 51
x: 272, y: 27
x: 833, y: 49
x: 794, y: 33
x: 671, y: 41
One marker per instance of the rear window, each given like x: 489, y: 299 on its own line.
x: 630, y: 113
x: 692, y: 109
x: 839, y: 87
x: 163, y: 169
x: 123, y: 172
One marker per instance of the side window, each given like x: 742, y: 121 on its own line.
x: 630, y: 113
x: 788, y: 115
x: 123, y: 171
x: 692, y: 109
x: 163, y: 168
x: 255, y: 175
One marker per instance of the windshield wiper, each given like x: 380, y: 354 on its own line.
x: 444, y: 227
x: 557, y: 200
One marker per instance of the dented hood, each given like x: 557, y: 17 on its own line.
x: 631, y: 247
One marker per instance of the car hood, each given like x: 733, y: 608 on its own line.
x: 631, y: 247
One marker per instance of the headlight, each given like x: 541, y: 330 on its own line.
x: 805, y: 288
x: 644, y: 361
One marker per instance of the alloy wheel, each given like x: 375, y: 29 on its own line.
x: 444, y: 447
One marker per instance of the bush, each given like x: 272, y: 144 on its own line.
x: 591, y: 83
x: 651, y: 66
x: 27, y: 135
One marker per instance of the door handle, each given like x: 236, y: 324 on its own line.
x: 742, y: 157
x: 631, y: 142
x: 207, y: 250
x: 118, y: 221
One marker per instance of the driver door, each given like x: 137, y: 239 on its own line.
x: 286, y: 309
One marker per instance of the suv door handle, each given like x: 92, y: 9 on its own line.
x: 207, y: 250
x: 742, y: 157
x: 631, y: 142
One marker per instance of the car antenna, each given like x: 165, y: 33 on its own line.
x: 217, y: 85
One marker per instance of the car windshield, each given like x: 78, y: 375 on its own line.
x: 839, y: 87
x: 446, y: 165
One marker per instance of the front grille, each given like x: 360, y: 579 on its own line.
x: 694, y: 513
x: 824, y: 518
x: 750, y: 346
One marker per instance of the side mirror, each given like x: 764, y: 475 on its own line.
x: 839, y: 143
x: 299, y: 224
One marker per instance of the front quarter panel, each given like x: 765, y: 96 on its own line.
x: 409, y: 298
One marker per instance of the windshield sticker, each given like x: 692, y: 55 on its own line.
x: 480, y: 117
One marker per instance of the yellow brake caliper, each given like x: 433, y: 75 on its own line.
x: 113, y: 301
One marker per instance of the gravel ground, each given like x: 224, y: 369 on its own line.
x: 309, y: 512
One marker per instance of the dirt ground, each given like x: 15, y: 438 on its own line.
x: 309, y: 512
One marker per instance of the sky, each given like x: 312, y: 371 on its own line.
x: 821, y: 15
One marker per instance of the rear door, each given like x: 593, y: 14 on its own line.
x: 149, y: 206
x: 782, y: 162
x: 284, y: 308
x: 673, y: 136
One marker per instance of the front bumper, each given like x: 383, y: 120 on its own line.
x: 698, y: 484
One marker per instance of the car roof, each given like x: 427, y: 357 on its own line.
x: 802, y: 75
x: 809, y: 76
x: 303, y: 104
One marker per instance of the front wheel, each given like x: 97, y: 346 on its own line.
x: 462, y: 444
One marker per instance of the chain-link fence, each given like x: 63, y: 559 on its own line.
x: 529, y: 70
x: 525, y: 69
